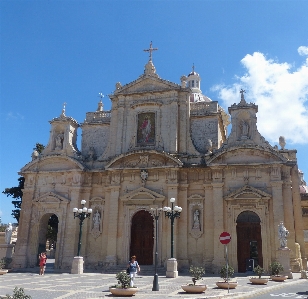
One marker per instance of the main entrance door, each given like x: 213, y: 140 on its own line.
x: 142, y: 237
x: 249, y: 242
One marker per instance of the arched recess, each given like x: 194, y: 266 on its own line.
x: 248, y: 198
x: 47, y: 234
x: 142, y: 237
x: 249, y: 241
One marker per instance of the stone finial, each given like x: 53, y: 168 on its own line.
x: 183, y: 81
x: 35, y: 154
x: 282, y: 142
x: 118, y: 85
x: 100, y: 106
x: 63, y: 110
x: 149, y: 68
x: 243, y: 101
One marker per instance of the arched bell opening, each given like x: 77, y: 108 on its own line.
x: 249, y: 241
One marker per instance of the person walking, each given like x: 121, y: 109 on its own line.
x: 133, y: 269
x: 43, y: 259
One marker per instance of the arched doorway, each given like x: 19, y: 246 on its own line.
x: 47, y: 237
x: 142, y: 237
x: 249, y: 242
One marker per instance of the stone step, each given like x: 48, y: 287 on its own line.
x: 145, y: 270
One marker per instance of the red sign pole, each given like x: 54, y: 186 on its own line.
x: 225, y: 238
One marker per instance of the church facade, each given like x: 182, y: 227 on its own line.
x: 162, y: 140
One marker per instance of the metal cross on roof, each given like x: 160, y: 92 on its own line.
x: 150, y: 50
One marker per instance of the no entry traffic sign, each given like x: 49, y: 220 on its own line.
x: 224, y: 238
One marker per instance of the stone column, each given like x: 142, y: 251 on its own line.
x: 174, y: 127
x: 20, y: 255
x: 209, y: 225
x: 298, y: 220
x: 112, y: 220
x: 218, y: 215
x: 182, y: 225
x: 289, y: 223
x: 278, y: 211
x: 120, y: 133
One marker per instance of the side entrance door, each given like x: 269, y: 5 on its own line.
x: 249, y: 242
x: 142, y: 237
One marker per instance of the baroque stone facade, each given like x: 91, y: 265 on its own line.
x: 162, y: 140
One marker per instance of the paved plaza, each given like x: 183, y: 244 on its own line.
x: 96, y: 285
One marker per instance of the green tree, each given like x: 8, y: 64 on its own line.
x: 39, y: 147
x: 16, y: 192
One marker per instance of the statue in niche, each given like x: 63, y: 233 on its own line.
x: 196, y: 224
x: 8, y: 233
x: 91, y: 154
x: 59, y: 141
x: 96, y: 220
x: 282, y: 235
x: 245, y: 128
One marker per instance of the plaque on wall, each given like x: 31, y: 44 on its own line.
x: 146, y: 129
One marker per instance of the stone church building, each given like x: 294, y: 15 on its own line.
x: 162, y: 140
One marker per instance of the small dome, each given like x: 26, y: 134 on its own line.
x: 193, y: 73
x: 198, y: 97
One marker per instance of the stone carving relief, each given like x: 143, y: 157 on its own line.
x: 204, y: 134
x: 77, y: 179
x: 144, y: 176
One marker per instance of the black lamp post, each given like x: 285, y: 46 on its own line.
x: 81, y: 214
x: 156, y: 212
x: 172, y: 213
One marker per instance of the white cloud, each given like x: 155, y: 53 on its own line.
x: 280, y: 93
x: 303, y: 51
x: 14, y: 116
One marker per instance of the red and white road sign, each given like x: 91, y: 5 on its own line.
x: 224, y: 238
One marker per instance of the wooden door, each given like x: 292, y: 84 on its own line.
x: 142, y: 237
x: 249, y: 242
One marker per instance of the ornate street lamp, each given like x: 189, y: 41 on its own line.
x: 172, y: 213
x: 156, y: 212
x: 81, y: 214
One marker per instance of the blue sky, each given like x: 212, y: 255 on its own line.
x: 53, y: 52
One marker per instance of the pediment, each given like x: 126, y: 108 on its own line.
x: 248, y: 193
x: 144, y: 160
x: 53, y: 163
x: 246, y: 156
x: 142, y: 195
x: 51, y: 197
x: 147, y: 83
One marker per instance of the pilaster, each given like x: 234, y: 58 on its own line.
x: 112, y: 220
x: 278, y: 211
x: 298, y: 220
x: 218, y: 215
x: 182, y: 225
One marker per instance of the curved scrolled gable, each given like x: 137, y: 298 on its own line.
x: 246, y: 155
x: 144, y: 159
x: 53, y: 163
